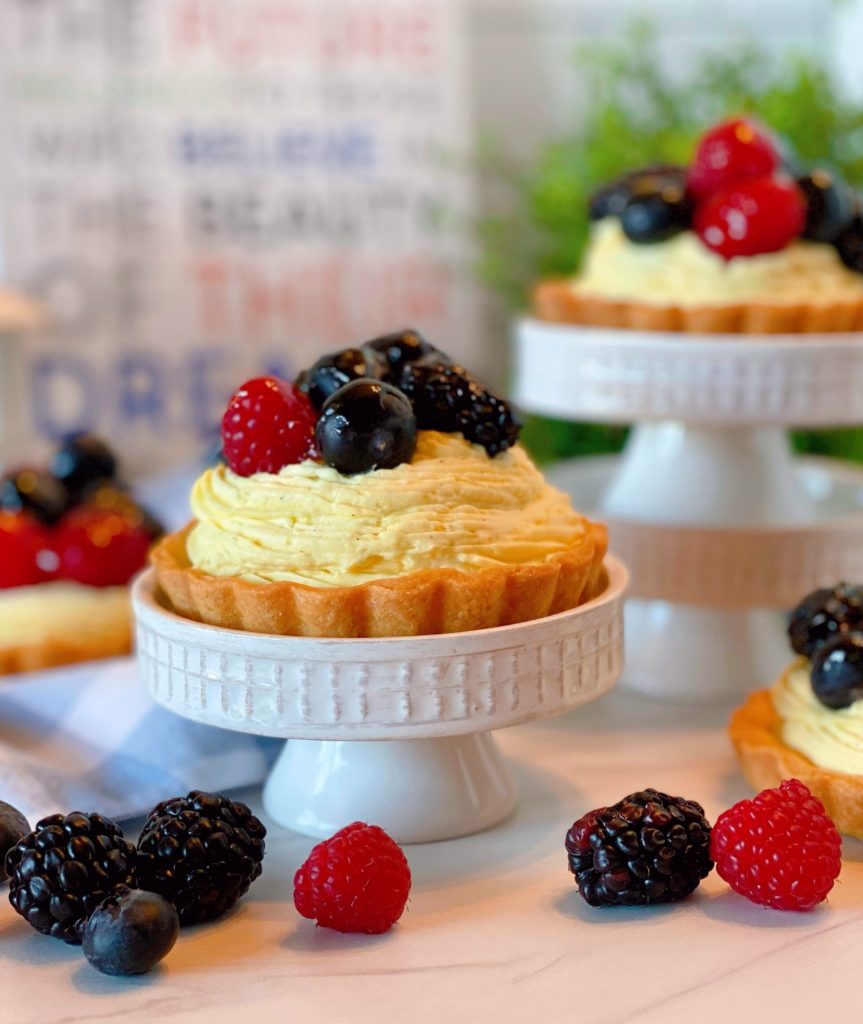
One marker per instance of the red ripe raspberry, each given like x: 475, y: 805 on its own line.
x: 760, y: 215
x: 101, y: 548
x: 356, y: 881
x: 780, y: 849
x: 23, y: 544
x: 268, y: 424
x: 732, y: 151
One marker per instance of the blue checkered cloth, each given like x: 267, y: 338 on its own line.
x: 89, y: 738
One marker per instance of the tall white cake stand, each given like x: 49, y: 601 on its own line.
x: 396, y: 732
x: 720, y: 526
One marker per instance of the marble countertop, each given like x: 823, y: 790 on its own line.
x: 495, y: 930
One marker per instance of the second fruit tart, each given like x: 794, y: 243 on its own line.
x: 383, y: 494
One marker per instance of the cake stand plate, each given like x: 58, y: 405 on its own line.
x: 392, y: 731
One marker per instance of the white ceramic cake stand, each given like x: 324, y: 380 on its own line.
x: 717, y: 523
x: 392, y: 731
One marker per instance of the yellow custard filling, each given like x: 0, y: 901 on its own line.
x: 451, y: 507
x: 830, y: 739
x: 683, y: 272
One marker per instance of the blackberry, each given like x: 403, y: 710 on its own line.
x: 648, y: 848
x: 201, y: 852
x: 823, y: 614
x: 448, y: 399
x: 60, y: 872
x: 81, y: 461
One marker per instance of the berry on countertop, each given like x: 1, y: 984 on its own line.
x: 269, y: 424
x: 837, y: 670
x: 25, y: 555
x: 779, y: 849
x: 201, y: 852
x: 759, y: 215
x: 399, y: 348
x: 729, y: 153
x: 610, y: 200
x: 647, y: 848
x: 60, y: 872
x: 823, y: 614
x: 358, y: 880
x: 830, y: 205
x: 448, y: 399
x: 366, y: 425
x: 101, y: 547
x: 849, y: 245
x: 13, y: 828
x: 33, y: 491
x: 80, y: 461
x: 333, y: 371
x: 130, y: 932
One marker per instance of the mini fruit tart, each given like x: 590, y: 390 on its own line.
x: 382, y: 494
x: 735, y: 243
x: 809, y: 726
x: 70, y: 541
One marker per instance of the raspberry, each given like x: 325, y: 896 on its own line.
x: 23, y: 545
x: 779, y: 849
x: 356, y: 881
x: 729, y: 153
x: 268, y: 424
x: 101, y: 548
x: 752, y: 217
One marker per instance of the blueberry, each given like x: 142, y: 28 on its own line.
x: 13, y: 827
x: 130, y: 932
x: 657, y: 209
x: 837, y: 671
x: 366, y: 425
x: 336, y: 369
x: 823, y: 614
x: 80, y: 461
x: 399, y: 348
x: 33, y: 491
x: 849, y: 245
x: 829, y: 205
x: 610, y: 200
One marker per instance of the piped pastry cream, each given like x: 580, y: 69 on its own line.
x: 830, y: 738
x: 451, y: 507
x: 383, y: 494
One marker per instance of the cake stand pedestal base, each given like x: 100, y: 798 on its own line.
x: 434, y: 789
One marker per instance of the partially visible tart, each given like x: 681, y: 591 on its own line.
x: 809, y: 725
x: 415, y: 511
x: 731, y: 244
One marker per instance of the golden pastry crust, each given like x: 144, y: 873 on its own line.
x: 417, y: 604
x: 556, y: 302
x: 71, y: 635
x: 766, y: 760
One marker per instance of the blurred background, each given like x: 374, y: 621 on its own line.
x: 200, y: 190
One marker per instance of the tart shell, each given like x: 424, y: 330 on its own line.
x: 766, y: 760
x: 557, y: 302
x: 420, y: 603
x: 70, y: 634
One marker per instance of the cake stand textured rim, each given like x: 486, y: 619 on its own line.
x: 145, y: 605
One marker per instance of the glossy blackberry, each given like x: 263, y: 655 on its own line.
x: 81, y: 461
x: 648, y: 848
x: 33, y: 491
x: 823, y: 614
x: 60, y: 872
x: 448, y: 399
x: 334, y: 371
x: 201, y: 852
x: 611, y: 199
x: 398, y: 349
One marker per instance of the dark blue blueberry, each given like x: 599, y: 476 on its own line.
x: 849, y: 245
x: 366, y: 425
x: 13, y: 827
x: 400, y: 348
x: 837, y: 671
x: 657, y: 209
x: 824, y: 614
x: 611, y: 200
x: 81, y: 461
x: 830, y: 205
x: 130, y: 932
x: 336, y: 369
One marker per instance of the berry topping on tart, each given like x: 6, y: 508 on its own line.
x: 399, y: 348
x: 730, y: 152
x: 35, y: 492
x: 333, y: 371
x: 23, y: 544
x: 101, y: 548
x: 753, y: 216
x: 81, y: 462
x: 830, y: 205
x: 837, y: 671
x: 824, y: 614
